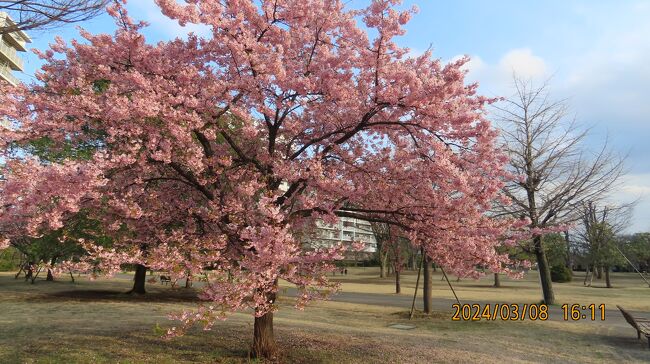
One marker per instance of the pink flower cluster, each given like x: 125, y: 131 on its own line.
x: 217, y: 153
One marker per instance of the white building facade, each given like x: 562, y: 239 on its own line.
x: 10, y: 46
x: 347, y: 231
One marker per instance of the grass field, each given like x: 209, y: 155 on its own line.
x: 94, y: 322
x: 628, y: 288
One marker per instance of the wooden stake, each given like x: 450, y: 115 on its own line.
x: 646, y: 281
x: 417, y: 285
x: 449, y: 283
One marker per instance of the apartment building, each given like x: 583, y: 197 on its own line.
x: 347, y: 231
x: 10, y: 45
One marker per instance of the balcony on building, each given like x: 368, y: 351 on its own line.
x: 11, y: 44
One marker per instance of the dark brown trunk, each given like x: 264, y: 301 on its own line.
x: 50, y: 276
x: 497, y: 280
x: 608, y: 281
x: 544, y: 271
x: 263, y: 339
x: 384, y: 264
x: 188, y: 281
x: 600, y: 272
x: 427, y: 286
x: 586, y: 276
x: 398, y: 287
x: 139, y: 279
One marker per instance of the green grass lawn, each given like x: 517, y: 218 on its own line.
x: 94, y: 322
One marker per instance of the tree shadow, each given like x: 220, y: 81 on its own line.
x: 174, y: 295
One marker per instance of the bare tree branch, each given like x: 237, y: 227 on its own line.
x: 47, y: 14
x: 544, y: 145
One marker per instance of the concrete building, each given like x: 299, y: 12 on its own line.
x: 10, y: 45
x: 347, y: 231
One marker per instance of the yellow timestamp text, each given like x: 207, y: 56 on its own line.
x: 577, y: 312
x: 500, y: 311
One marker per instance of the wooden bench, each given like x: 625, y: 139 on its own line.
x: 642, y: 325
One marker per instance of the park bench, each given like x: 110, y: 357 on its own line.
x: 642, y: 325
x: 165, y: 279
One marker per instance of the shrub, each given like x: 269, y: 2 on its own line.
x: 8, y: 260
x: 560, y: 274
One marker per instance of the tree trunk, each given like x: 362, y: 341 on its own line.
x: 497, y: 280
x: 608, y: 281
x: 586, y: 276
x: 139, y: 279
x: 427, y: 287
x: 188, y: 281
x: 50, y: 276
x: 263, y: 339
x: 569, y: 259
x: 398, y: 286
x: 544, y: 271
x: 600, y: 272
x: 382, y: 267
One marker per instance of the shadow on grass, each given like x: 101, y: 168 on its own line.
x: 390, y: 281
x: 502, y: 287
x: 176, y: 295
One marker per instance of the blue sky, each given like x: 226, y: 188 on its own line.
x: 597, y: 52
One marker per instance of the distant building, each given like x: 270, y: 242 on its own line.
x: 10, y: 45
x: 347, y: 231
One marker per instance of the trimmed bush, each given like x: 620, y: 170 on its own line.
x: 560, y: 274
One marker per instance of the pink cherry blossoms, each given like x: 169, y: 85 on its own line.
x: 193, y: 141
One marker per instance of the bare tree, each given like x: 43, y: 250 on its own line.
x: 391, y: 246
x: 382, y: 235
x: 47, y: 14
x: 597, y: 233
x: 556, y: 173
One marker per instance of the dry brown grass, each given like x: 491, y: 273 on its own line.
x: 93, y: 322
x: 629, y: 289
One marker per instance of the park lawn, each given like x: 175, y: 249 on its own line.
x: 629, y: 290
x: 94, y: 322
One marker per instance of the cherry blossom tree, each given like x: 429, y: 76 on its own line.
x: 211, y: 152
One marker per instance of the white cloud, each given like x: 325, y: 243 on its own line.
x: 636, y: 187
x: 150, y: 12
x: 523, y: 63
x: 496, y: 79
